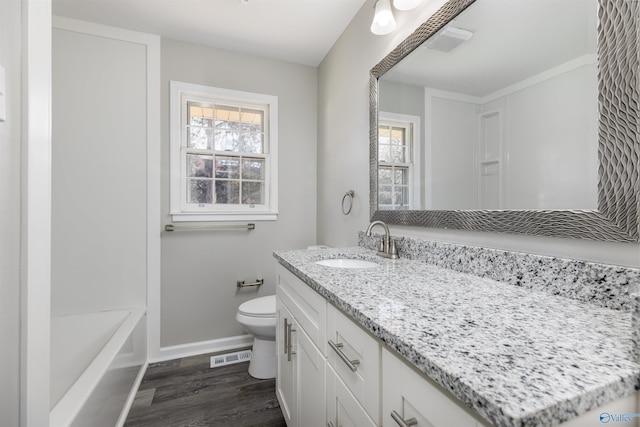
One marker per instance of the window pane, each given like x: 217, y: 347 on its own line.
x: 253, y: 193
x: 251, y: 142
x: 384, y: 194
x: 227, y: 117
x: 199, y: 115
x: 253, y: 168
x: 384, y: 176
x: 384, y: 153
x: 228, y: 192
x: 397, y: 136
x: 199, y: 191
x: 228, y: 167
x: 200, y: 138
x: 401, y: 196
x: 401, y: 176
x: 251, y: 120
x: 398, y: 154
x: 199, y: 165
x: 227, y: 140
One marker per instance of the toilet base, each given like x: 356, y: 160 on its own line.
x: 263, y: 364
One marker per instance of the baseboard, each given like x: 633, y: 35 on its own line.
x: 202, y: 347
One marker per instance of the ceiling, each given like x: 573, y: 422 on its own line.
x: 299, y: 31
x: 512, y: 41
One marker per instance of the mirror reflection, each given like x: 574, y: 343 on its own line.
x: 497, y: 110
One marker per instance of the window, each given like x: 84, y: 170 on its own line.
x: 397, y: 167
x: 223, y: 154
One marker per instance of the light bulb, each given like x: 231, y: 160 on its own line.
x: 383, y: 21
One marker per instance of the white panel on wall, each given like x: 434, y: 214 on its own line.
x: 452, y: 145
x: 99, y: 178
x: 490, y: 161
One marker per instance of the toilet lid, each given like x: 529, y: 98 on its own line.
x: 259, y: 307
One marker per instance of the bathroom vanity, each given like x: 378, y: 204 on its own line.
x: 406, y: 342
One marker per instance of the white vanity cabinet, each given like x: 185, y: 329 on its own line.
x: 301, y: 374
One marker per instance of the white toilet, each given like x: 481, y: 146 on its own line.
x: 258, y: 317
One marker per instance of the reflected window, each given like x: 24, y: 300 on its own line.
x: 396, y: 165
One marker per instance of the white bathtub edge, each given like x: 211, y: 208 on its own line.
x: 132, y: 396
x: 74, y: 399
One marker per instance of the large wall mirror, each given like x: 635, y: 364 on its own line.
x: 517, y: 116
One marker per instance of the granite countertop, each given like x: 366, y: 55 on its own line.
x: 516, y: 356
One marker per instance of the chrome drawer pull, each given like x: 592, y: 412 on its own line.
x: 289, y: 352
x: 286, y: 336
x: 352, y: 364
x: 403, y: 423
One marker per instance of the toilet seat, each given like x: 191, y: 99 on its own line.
x: 259, y: 307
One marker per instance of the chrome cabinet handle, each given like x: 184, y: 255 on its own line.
x: 286, y: 336
x: 352, y: 364
x: 289, y: 352
x: 401, y: 422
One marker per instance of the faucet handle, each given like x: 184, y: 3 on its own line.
x: 382, y: 245
x: 392, y: 249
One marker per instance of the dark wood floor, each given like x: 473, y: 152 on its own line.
x: 186, y: 392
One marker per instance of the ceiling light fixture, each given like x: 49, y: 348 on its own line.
x: 383, y: 21
x: 406, y: 4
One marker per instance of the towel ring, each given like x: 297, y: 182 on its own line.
x: 349, y: 194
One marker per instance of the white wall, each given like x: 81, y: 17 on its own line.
x: 10, y: 215
x: 343, y: 150
x: 200, y: 269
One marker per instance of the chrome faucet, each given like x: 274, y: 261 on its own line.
x: 387, y: 247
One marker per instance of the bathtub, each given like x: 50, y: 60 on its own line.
x: 97, y: 362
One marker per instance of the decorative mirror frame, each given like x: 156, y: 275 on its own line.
x: 616, y: 218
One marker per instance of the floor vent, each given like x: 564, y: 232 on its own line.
x: 230, y: 358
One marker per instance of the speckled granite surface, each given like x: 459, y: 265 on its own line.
x: 609, y: 286
x: 517, y: 356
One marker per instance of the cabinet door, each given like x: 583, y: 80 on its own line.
x: 343, y: 409
x: 311, y: 368
x: 285, y: 377
x: 410, y: 397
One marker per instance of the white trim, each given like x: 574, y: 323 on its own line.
x: 35, y: 262
x: 202, y: 347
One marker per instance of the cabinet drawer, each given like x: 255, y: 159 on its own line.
x: 408, y: 396
x: 307, y: 306
x: 343, y: 410
x: 355, y: 357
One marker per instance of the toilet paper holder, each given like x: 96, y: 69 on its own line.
x: 243, y: 284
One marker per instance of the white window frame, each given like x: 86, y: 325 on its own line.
x: 180, y: 93
x: 411, y: 123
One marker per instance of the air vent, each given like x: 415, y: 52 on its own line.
x: 230, y: 358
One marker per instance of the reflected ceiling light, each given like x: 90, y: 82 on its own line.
x: 383, y: 21
x: 406, y: 4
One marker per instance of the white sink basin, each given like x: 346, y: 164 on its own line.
x: 346, y: 263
